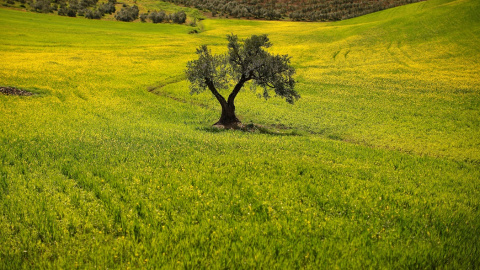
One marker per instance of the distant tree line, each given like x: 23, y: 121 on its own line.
x: 161, y: 17
x: 296, y: 10
x: 92, y: 9
x: 128, y: 14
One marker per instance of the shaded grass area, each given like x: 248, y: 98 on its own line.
x: 382, y: 173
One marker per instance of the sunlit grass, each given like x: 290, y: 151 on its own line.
x: 96, y: 171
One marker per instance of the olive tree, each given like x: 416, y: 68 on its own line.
x: 246, y: 61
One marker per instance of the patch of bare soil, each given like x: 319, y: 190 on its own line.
x: 12, y: 91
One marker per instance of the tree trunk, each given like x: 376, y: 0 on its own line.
x: 228, y: 117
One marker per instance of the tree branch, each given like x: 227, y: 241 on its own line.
x: 214, y: 91
x: 236, y: 89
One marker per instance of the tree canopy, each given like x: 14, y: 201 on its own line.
x: 245, y: 61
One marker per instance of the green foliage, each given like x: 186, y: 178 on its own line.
x: 90, y: 14
x: 245, y: 61
x: 161, y: 16
x: 251, y: 61
x: 158, y: 17
x: 213, y: 67
x: 127, y: 14
x: 143, y: 17
x: 179, y: 17
x: 107, y: 8
x: 42, y: 6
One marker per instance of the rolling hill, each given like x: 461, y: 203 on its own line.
x: 376, y: 166
x: 297, y: 10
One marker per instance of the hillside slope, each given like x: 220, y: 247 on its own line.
x: 376, y: 166
x: 297, y: 10
x: 405, y: 78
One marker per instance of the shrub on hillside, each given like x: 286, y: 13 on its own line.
x: 179, y: 17
x: 93, y: 14
x: 67, y: 11
x: 81, y: 12
x: 158, y: 16
x: 143, y: 17
x: 107, y: 8
x: 127, y: 14
x: 42, y: 6
x: 83, y: 4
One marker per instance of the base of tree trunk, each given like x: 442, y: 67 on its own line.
x: 231, y: 125
x: 228, y: 119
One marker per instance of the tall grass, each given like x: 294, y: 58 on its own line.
x: 96, y: 171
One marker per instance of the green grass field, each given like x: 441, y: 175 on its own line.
x: 376, y: 166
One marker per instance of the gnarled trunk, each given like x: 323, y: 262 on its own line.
x: 228, y: 117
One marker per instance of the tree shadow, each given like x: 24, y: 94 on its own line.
x: 256, y: 129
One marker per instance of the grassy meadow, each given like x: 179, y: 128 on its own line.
x: 113, y: 164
